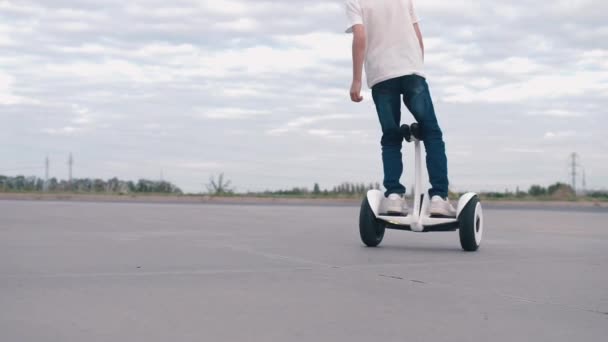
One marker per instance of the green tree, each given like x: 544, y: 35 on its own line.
x: 561, y: 191
x: 537, y: 190
x: 317, y: 189
x: 552, y: 189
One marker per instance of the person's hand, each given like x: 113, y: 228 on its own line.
x: 355, y: 92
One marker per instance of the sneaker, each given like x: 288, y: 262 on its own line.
x: 395, y: 205
x: 442, y: 207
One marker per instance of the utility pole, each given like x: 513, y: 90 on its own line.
x: 70, y: 164
x: 584, y: 182
x: 46, y: 174
x: 573, y: 167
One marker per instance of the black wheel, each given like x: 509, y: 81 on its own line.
x: 370, y: 228
x: 471, y: 225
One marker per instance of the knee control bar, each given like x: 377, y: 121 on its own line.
x: 411, y: 132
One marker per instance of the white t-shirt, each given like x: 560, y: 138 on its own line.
x: 393, y: 49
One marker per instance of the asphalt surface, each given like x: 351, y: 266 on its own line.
x: 160, y: 272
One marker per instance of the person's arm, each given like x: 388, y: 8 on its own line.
x: 358, y: 59
x: 420, y: 40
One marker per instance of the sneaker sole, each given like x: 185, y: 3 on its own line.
x: 396, y: 212
x: 442, y: 214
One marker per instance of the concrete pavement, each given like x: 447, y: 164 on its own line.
x: 162, y: 272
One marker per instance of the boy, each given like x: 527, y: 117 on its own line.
x: 387, y: 37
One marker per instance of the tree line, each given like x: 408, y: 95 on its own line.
x: 555, y: 191
x: 87, y: 185
x: 344, y: 189
x: 221, y: 186
x: 559, y: 191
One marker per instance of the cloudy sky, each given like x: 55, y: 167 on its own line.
x: 259, y: 90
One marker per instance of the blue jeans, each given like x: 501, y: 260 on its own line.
x: 417, y: 99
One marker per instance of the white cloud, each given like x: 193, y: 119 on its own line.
x: 238, y: 25
x: 481, y: 82
x: 569, y: 6
x: 6, y: 35
x: 78, y: 15
x: 227, y: 7
x: 230, y: 113
x: 108, y: 71
x: 559, y: 135
x: 514, y: 65
x: 159, y: 12
x: 559, y: 113
x: 299, y: 122
x: 337, y: 135
x: 199, y: 165
x: 7, y: 95
x: 324, y: 8
x: 323, y: 46
x: 20, y: 8
x: 523, y: 150
x: 136, y: 71
x: 594, y: 58
x: 466, y: 8
x: 321, y: 132
x: 536, y: 88
x: 65, y: 131
x: 75, y: 26
x: 83, y: 115
x: 262, y: 60
x: 510, y: 12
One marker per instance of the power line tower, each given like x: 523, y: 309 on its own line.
x: 46, y: 174
x: 573, y: 168
x: 70, y: 164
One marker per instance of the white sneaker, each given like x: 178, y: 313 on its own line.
x: 441, y: 207
x: 395, y: 205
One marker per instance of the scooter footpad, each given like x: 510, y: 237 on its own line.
x: 394, y: 214
x: 442, y: 216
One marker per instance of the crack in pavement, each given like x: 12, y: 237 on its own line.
x: 502, y: 295
x: 392, y: 277
x: 400, y: 278
x: 155, y: 273
x: 541, y: 302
